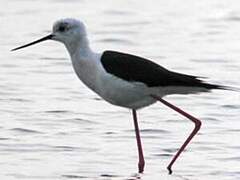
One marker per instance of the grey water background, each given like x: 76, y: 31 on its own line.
x: 53, y: 127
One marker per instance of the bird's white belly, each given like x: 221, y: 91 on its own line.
x: 123, y: 93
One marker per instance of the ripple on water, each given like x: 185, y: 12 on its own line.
x: 19, y: 100
x: 162, y: 154
x: 127, y: 23
x: 212, y: 119
x: 150, y: 131
x: 57, y: 111
x: 23, y: 148
x: 232, y: 17
x: 210, y: 61
x: 115, y: 32
x: 66, y: 148
x: 135, y: 176
x: 118, y: 41
x: 118, y: 12
x: 230, y: 106
x: 83, y: 121
x: 4, y: 139
x: 75, y: 176
x: 59, y: 59
x: 108, y: 175
x: 227, y: 173
x: 230, y: 159
x: 154, y: 131
x: 25, y: 131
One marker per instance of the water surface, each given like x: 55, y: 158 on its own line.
x: 53, y: 127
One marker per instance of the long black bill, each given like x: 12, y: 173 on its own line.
x: 34, y: 42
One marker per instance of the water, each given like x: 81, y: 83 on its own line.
x: 53, y: 127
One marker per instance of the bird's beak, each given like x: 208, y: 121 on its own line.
x: 35, y: 42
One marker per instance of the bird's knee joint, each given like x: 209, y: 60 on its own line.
x: 198, y: 125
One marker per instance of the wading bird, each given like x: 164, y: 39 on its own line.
x: 125, y: 80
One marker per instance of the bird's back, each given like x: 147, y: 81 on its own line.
x: 137, y: 69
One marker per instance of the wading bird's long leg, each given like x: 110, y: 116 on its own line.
x: 196, y: 121
x: 141, y: 161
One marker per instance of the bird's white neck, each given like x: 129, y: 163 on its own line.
x: 78, y: 46
x: 84, y: 62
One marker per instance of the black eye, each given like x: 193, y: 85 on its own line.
x: 62, y: 28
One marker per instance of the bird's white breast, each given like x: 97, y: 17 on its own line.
x: 111, y: 88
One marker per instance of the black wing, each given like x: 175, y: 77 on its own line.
x: 138, y: 69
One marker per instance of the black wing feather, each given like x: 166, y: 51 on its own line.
x: 133, y: 68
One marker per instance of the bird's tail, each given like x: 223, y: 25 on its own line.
x: 216, y: 86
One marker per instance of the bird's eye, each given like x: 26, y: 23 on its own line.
x: 62, y: 28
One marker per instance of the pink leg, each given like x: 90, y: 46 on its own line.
x: 196, y: 121
x: 141, y: 161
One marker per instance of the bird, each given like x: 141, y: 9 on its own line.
x: 126, y: 80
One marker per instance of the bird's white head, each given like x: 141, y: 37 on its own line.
x: 68, y: 31
x: 71, y: 32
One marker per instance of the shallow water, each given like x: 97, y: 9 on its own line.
x: 53, y: 127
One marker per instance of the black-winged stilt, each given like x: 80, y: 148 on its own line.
x: 125, y: 80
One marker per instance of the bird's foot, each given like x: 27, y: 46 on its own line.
x: 141, y: 167
x: 169, y: 169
